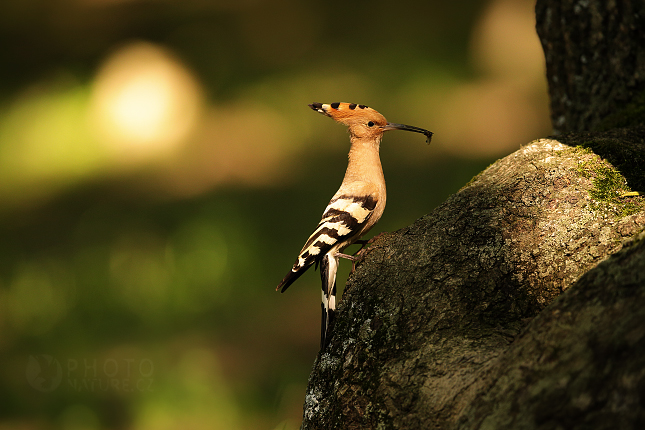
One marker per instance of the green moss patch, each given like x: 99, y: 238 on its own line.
x: 610, y: 189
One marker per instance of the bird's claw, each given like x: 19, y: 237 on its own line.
x: 360, y: 254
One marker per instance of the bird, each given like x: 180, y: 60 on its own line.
x: 354, y: 209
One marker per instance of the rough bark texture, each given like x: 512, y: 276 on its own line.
x: 519, y: 302
x: 580, y: 364
x: 595, y: 61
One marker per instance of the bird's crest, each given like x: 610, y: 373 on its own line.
x: 346, y: 113
x: 363, y: 121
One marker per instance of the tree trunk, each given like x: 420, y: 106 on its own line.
x: 519, y: 302
x: 595, y: 62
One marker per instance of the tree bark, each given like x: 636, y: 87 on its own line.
x: 520, y: 301
x: 595, y: 61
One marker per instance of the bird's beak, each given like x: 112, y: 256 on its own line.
x: 393, y: 126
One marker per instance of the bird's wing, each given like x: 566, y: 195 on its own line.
x: 342, y: 223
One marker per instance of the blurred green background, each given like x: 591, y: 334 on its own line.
x: 160, y: 170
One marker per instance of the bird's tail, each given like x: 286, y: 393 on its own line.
x: 328, y: 268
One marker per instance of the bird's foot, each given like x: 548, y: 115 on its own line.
x: 358, y: 255
x: 353, y: 258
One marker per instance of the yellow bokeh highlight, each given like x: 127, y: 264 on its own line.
x: 145, y: 102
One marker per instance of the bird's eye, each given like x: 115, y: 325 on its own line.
x: 370, y: 124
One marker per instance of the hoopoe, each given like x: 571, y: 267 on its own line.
x: 355, y: 208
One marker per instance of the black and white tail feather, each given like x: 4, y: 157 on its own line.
x: 342, y: 224
x: 328, y: 268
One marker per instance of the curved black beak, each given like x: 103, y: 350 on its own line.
x: 393, y: 126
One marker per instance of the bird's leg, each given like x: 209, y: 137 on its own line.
x: 351, y: 258
x: 354, y: 258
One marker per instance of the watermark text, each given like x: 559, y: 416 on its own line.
x: 46, y: 373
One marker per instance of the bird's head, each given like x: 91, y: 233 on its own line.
x: 363, y: 122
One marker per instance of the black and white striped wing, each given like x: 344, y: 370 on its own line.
x: 342, y: 223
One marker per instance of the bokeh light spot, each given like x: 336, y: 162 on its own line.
x: 145, y: 102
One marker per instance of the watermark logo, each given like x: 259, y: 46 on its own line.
x: 45, y: 374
